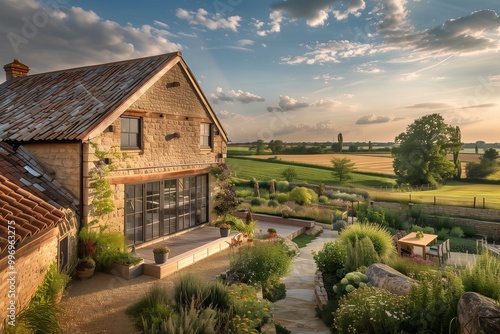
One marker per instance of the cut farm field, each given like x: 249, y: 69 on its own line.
x: 380, y: 163
x: 372, y: 163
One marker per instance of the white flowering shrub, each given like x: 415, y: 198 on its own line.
x: 370, y: 310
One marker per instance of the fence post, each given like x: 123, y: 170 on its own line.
x: 434, y: 200
x: 410, y: 197
x: 484, y: 203
x: 474, y: 201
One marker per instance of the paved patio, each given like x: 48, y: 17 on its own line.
x: 193, y: 245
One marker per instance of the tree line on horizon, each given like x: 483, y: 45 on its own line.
x: 420, y: 153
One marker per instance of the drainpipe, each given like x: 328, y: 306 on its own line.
x: 81, y: 186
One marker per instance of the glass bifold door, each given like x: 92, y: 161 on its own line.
x: 159, y: 208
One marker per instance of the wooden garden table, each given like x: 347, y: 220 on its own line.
x: 412, y: 241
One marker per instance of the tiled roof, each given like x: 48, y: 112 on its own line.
x: 30, y: 213
x: 22, y: 169
x: 67, y: 104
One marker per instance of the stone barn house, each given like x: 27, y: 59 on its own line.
x: 159, y: 131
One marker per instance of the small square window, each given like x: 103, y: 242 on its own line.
x: 131, y: 133
x: 206, y: 135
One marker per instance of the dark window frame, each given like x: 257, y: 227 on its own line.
x: 136, y: 132
x: 206, y: 138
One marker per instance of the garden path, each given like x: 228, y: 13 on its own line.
x: 297, y: 312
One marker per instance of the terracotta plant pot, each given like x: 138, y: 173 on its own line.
x: 85, y: 273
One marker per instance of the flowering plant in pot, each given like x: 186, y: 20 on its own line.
x: 224, y: 229
x: 161, y: 254
x: 85, y: 268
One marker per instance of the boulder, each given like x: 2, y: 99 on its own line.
x: 385, y: 277
x: 315, y: 230
x: 478, y: 314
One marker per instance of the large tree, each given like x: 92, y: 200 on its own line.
x: 487, y: 165
x: 276, y: 146
x: 420, y: 156
x: 259, y: 146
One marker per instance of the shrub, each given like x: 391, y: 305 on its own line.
x: 469, y: 231
x: 416, y: 228
x: 332, y: 258
x: 432, y: 303
x: 350, y: 282
x: 37, y: 318
x: 262, y: 262
x: 283, y: 186
x: 323, y: 199
x: 244, y: 193
x: 249, y: 312
x: 273, y: 203
x: 282, y: 198
x: 255, y: 201
x: 456, y: 232
x: 274, y: 290
x: 339, y: 225
x: 379, y: 236
x: 245, y: 227
x: 300, y: 195
x: 53, y: 283
x: 483, y: 277
x: 443, y: 234
x: 314, y: 196
x: 327, y: 313
x: 428, y: 229
x: 370, y: 310
x: 361, y: 253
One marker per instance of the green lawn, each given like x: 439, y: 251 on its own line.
x: 454, y: 193
x: 303, y: 239
x: 264, y: 170
x: 242, y: 150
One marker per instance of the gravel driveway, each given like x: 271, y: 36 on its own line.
x: 98, y: 305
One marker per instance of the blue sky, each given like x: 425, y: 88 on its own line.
x: 296, y: 70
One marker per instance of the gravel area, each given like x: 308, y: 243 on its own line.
x: 98, y: 305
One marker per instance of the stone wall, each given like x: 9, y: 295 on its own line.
x: 164, y: 111
x: 456, y: 214
x: 63, y: 160
x: 31, y: 263
x: 457, y: 211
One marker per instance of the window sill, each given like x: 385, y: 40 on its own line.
x: 206, y: 149
x: 132, y: 152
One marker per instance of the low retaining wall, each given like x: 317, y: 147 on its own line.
x: 319, y: 290
x: 276, y: 219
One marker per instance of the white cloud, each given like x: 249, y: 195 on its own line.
x: 245, y: 42
x: 232, y: 96
x: 368, y: 68
x: 331, y: 52
x: 276, y: 18
x: 224, y: 114
x: 92, y: 39
x: 373, y: 119
x: 287, y: 103
x: 207, y: 20
x: 327, y: 77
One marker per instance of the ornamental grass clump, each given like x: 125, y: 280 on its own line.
x: 484, y: 276
x: 379, y: 236
x: 370, y: 310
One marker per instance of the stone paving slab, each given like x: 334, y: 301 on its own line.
x: 297, y: 312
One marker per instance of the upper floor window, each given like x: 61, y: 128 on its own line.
x: 131, y: 133
x: 206, y: 135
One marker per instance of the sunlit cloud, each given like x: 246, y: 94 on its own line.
x: 209, y: 21
x: 234, y: 96
x: 373, y: 119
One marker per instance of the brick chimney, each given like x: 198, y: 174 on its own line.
x: 15, y: 69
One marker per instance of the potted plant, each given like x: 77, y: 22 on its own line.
x: 420, y: 234
x: 224, y: 229
x: 161, y: 254
x: 85, y: 268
